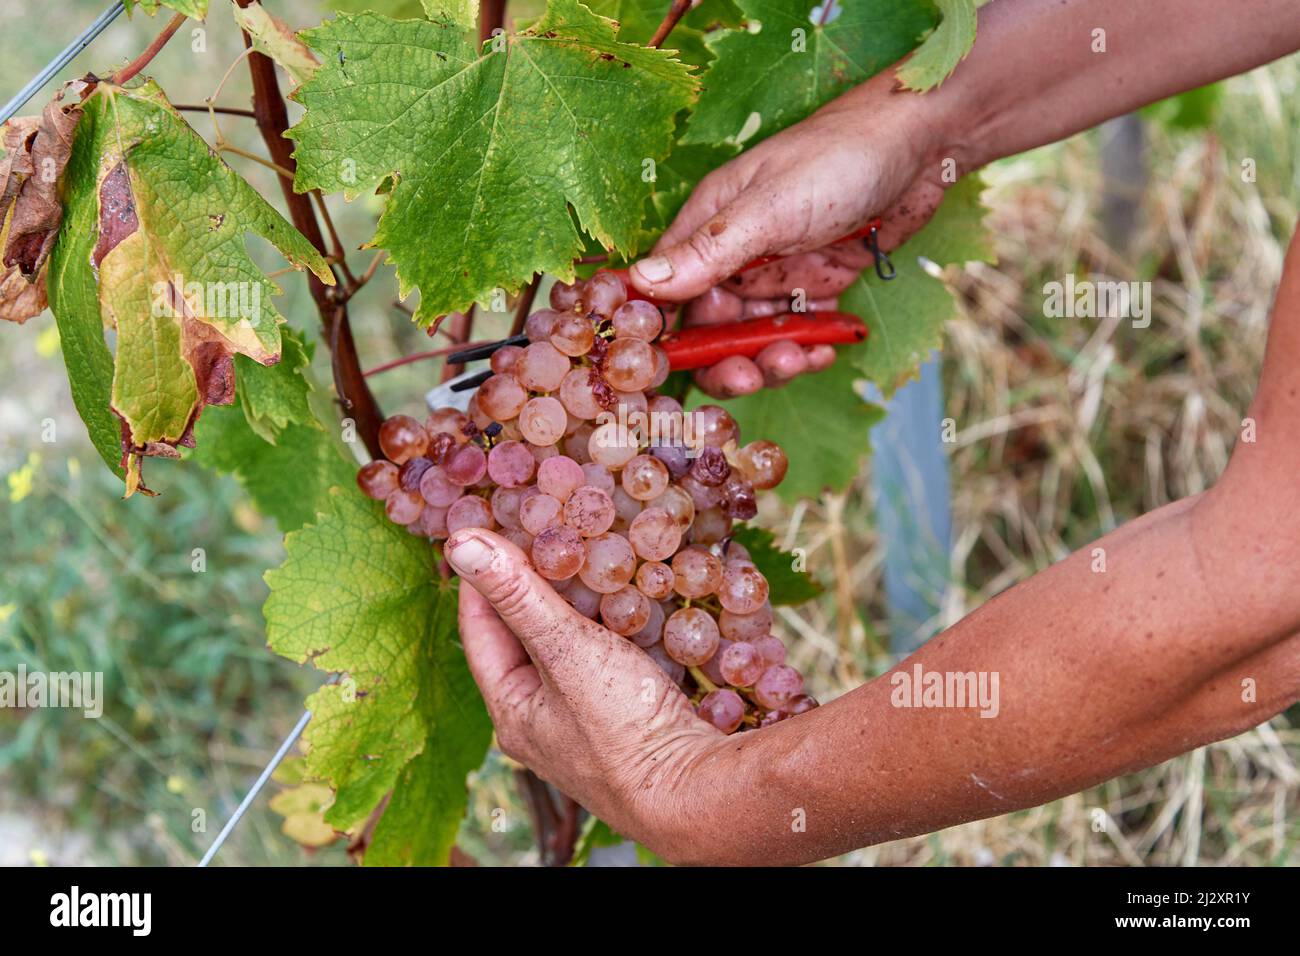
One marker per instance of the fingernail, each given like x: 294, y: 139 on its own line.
x: 469, y: 556
x: 655, y: 269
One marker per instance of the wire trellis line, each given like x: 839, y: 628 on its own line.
x: 19, y: 99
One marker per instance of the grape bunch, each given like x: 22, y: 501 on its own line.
x: 623, y: 501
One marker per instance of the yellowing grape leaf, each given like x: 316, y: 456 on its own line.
x: 198, y: 9
x: 359, y: 595
x: 906, y: 315
x: 463, y: 13
x: 944, y: 48
x: 153, y: 246
x: 786, y: 65
x: 488, y: 151
x: 278, y: 40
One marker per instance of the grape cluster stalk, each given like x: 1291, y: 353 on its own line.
x: 623, y: 501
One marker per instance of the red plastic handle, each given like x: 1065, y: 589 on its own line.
x: 707, y: 345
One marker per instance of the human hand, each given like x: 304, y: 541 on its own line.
x: 864, y: 154
x: 585, y: 709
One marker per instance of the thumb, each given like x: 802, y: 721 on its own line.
x: 735, y: 236
x: 555, y: 635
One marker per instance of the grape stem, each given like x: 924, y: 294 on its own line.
x: 675, y: 13
x: 702, y: 679
x: 272, y: 117
x: 140, y: 62
x: 525, y: 305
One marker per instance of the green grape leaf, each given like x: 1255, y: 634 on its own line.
x: 290, y: 480
x: 463, y: 13
x: 153, y: 246
x: 906, y: 315
x: 275, y: 38
x: 198, y: 9
x: 791, y: 65
x: 358, y: 594
x: 595, y: 833
x: 638, y: 19
x: 488, y: 152
x: 275, y: 396
x: 940, y: 52
x: 786, y: 584
x: 675, y: 178
x: 820, y: 421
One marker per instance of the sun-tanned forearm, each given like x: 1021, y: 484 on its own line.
x: 1043, y: 70
x: 1189, y: 635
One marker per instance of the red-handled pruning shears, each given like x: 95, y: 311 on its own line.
x: 705, y: 345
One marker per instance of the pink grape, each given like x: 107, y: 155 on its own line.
x: 653, y: 629
x: 504, y: 359
x: 577, y: 395
x: 690, y: 636
x: 743, y: 589
x: 560, y: 477
x: 449, y: 421
x: 698, y: 573
x: 540, y: 324
x: 662, y: 367
x: 466, y: 465
x: 558, y: 553
x: 777, y: 686
x: 402, y: 438
x: 677, y: 503
x: 469, y: 511
x: 540, y: 512
x: 541, y: 367
x: 584, y: 600
x: 625, y: 611
x: 501, y: 397
x: 505, y: 507
x: 510, y: 464
x: 675, y: 671
x: 711, y: 526
x: 629, y: 365
x: 432, y: 523
x: 625, y: 506
x: 578, y: 443
x: 723, y: 709
x: 742, y: 664
x: 589, y: 511
x: 771, y: 647
x: 598, y: 476
x: 573, y: 335
x: 645, y: 478
x: 712, y: 668
x: 437, y: 489
x: 403, y: 507
x: 714, y: 425
x: 564, y: 295
x: 543, y: 420
x: 747, y: 627
x: 763, y: 463
x: 637, y: 319
x: 655, y: 580
x: 609, y: 564
x: 377, y: 479
x: 654, y: 535
x: 800, y: 704
x: 611, y: 445
x: 602, y: 294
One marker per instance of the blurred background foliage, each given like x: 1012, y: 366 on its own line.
x: 1066, y: 428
